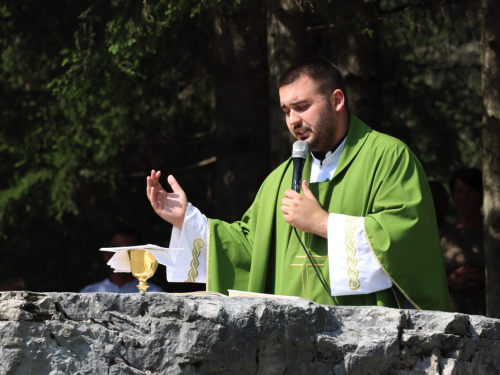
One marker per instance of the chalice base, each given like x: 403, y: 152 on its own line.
x: 142, y: 286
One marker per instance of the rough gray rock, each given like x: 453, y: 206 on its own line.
x: 158, y: 333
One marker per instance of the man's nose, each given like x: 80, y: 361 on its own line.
x: 294, y: 118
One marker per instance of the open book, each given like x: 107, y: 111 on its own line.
x: 200, y: 293
x: 240, y: 293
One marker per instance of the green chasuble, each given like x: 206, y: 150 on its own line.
x: 377, y: 178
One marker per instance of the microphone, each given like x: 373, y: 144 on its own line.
x: 299, y: 155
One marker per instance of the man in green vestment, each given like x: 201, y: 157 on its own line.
x: 365, y: 214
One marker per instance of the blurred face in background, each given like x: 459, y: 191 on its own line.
x: 120, y: 240
x: 466, y: 198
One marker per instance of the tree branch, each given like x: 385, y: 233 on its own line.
x: 410, y: 6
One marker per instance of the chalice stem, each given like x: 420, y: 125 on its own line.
x: 142, y: 286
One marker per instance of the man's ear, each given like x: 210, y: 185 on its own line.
x: 337, y: 99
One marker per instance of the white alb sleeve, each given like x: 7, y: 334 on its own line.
x: 191, y: 261
x: 354, y: 268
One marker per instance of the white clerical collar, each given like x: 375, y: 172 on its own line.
x: 330, y: 157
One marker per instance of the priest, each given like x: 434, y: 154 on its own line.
x: 365, y: 214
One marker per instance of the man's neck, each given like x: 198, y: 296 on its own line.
x: 344, y: 125
x: 322, y: 155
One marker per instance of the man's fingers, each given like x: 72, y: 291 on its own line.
x: 157, y: 199
x: 307, y: 192
x: 152, y: 198
x: 176, y: 188
x: 151, y: 181
x: 291, y: 193
x: 155, y: 176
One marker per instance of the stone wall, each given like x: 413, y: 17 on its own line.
x: 158, y: 333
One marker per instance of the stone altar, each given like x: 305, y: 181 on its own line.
x: 159, y: 333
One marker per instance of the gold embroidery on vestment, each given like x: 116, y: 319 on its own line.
x: 308, y: 265
x: 387, y: 273
x: 352, y: 260
x: 193, y: 272
x: 207, y: 266
x: 305, y: 285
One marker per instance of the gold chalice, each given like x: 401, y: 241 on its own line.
x: 143, y: 265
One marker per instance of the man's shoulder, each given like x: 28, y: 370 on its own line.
x: 371, y: 147
x: 374, y: 142
x: 382, y: 146
x: 386, y: 142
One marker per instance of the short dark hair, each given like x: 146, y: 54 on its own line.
x: 126, y: 231
x: 471, y: 176
x: 322, y: 71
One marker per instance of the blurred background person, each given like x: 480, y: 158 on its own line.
x: 12, y: 284
x: 462, y: 244
x: 441, y: 201
x: 121, y: 282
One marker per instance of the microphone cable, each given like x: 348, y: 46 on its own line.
x: 315, y: 269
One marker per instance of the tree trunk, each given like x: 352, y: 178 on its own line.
x: 490, y: 46
x: 354, y: 43
x: 240, y: 81
x: 287, y: 44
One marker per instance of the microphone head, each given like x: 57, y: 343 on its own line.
x: 300, y: 149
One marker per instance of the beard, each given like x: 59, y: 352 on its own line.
x: 324, y: 131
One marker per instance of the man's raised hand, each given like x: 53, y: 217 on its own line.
x: 169, y: 206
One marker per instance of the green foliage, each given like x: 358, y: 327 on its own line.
x: 94, y: 95
x: 431, y: 82
x: 123, y: 75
